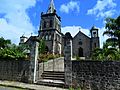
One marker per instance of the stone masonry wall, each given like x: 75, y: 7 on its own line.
x: 14, y: 70
x: 96, y: 75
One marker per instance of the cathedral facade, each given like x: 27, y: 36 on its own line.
x: 50, y: 31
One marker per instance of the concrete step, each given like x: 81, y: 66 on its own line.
x: 54, y: 72
x: 52, y: 75
x: 49, y: 82
x: 54, y: 78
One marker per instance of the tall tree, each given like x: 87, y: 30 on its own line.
x: 11, y: 51
x: 106, y: 53
x: 4, y: 43
x: 113, y: 31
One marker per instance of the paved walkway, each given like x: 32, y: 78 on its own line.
x: 28, y: 86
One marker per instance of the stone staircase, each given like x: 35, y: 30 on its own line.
x: 52, y: 78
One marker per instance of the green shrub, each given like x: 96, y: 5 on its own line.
x: 46, y: 57
x: 9, y: 53
x: 77, y: 58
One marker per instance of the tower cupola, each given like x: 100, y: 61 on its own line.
x: 94, y: 32
x: 51, y: 8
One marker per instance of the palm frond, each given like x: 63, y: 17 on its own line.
x: 117, y: 33
x: 109, y: 40
x: 112, y: 42
x: 109, y: 33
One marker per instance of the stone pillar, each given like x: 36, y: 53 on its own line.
x: 67, y: 59
x: 33, y: 61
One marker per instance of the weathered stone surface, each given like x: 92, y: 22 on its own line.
x: 67, y: 59
x: 96, y: 74
x: 34, y: 62
x: 14, y: 70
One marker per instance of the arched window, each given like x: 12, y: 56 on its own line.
x: 94, y: 34
x: 80, y: 42
x: 44, y: 24
x: 58, y: 49
x: 51, y: 23
x: 50, y: 37
x: 46, y: 37
x: 95, y: 45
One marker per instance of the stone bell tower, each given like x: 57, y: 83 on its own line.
x: 50, y: 30
x: 94, y: 38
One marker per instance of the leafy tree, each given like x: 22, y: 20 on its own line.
x: 11, y: 51
x: 110, y: 49
x: 24, y: 48
x: 42, y: 46
x: 106, y: 53
x: 113, y: 31
x: 4, y: 43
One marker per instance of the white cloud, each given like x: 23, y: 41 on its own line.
x: 75, y: 29
x: 103, y: 8
x: 71, y: 6
x: 102, y: 38
x: 16, y: 20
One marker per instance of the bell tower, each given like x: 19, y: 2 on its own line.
x: 94, y: 38
x: 50, y: 29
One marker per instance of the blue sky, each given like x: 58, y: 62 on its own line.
x: 18, y: 17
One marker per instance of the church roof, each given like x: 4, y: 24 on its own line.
x: 68, y: 35
x: 31, y: 39
x: 81, y: 34
x: 51, y: 8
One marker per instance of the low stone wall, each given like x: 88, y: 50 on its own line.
x: 14, y: 70
x: 96, y: 75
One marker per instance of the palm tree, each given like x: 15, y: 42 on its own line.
x: 113, y: 31
x: 97, y: 54
x: 106, y: 53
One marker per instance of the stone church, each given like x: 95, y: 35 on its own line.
x: 50, y: 31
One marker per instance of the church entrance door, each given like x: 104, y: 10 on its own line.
x: 80, y: 52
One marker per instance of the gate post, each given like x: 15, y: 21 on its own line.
x: 67, y: 59
x: 33, y: 60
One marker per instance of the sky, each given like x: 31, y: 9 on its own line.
x: 22, y: 17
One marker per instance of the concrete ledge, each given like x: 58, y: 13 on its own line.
x: 27, y: 86
x: 16, y: 87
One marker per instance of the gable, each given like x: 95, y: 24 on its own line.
x: 81, y: 34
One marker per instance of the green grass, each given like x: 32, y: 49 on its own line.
x: 71, y: 88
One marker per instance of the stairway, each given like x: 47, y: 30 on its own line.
x: 52, y: 78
